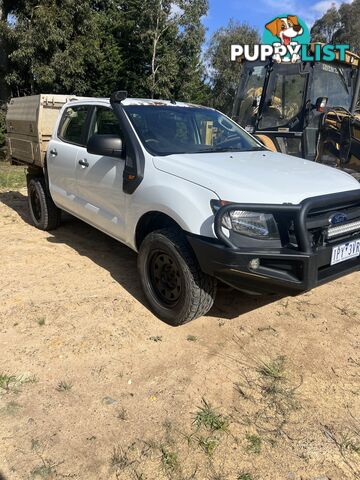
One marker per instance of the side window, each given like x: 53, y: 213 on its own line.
x: 105, y: 123
x: 251, y: 92
x: 72, y: 126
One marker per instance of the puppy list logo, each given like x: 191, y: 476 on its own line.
x: 286, y: 38
x: 286, y: 33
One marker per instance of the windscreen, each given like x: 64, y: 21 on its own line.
x: 167, y: 130
x: 333, y: 82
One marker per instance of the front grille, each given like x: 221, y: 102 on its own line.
x: 341, y: 230
x: 322, y: 233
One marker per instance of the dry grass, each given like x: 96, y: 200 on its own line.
x: 11, y: 177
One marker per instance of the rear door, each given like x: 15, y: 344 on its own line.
x: 62, y: 156
x: 100, y: 179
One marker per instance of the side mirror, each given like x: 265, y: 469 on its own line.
x: 105, y: 145
x: 321, y: 103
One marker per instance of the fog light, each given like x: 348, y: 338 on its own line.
x: 254, y: 264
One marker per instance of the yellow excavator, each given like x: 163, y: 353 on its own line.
x: 307, y: 109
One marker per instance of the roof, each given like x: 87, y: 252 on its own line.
x: 156, y: 102
x: 138, y: 101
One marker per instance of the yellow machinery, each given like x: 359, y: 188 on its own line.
x: 306, y: 109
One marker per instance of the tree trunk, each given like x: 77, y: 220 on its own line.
x: 153, y: 59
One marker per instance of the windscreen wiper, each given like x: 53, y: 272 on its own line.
x: 231, y: 149
x: 342, y: 76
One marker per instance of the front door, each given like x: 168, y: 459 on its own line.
x: 283, y: 108
x: 100, y: 179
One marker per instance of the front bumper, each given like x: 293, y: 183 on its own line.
x: 285, y: 270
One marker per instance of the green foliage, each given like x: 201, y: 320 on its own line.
x: 337, y: 25
x: 6, y: 381
x: 324, y: 28
x: 225, y: 75
x: 190, y: 85
x: 245, y: 476
x: 207, y: 417
x: 93, y: 48
x: 274, y: 369
x: 60, y: 47
x: 64, y: 386
x: 253, y: 444
x: 208, y: 444
x: 169, y: 459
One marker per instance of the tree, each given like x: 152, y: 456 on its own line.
x: 225, y: 74
x: 349, y: 32
x: 162, y: 40
x: 339, y: 25
x: 327, y: 26
x: 94, y: 47
x: 190, y: 83
x: 6, y: 8
x: 60, y: 47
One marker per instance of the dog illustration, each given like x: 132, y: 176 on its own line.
x: 285, y: 28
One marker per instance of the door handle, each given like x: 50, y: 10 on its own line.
x: 83, y: 162
x: 53, y: 152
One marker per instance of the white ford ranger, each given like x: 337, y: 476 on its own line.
x: 198, y: 198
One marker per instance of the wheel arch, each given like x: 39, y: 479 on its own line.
x: 151, y: 221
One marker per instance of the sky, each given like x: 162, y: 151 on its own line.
x: 258, y: 12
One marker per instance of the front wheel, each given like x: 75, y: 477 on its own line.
x: 43, y: 211
x: 173, y: 283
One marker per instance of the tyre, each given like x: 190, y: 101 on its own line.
x: 173, y: 283
x: 43, y: 211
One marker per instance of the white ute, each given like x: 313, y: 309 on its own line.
x: 194, y: 194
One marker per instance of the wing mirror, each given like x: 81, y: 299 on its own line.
x: 105, y: 145
x: 321, y: 103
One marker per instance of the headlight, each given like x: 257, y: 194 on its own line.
x: 252, y: 224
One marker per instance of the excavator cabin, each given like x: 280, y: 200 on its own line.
x: 306, y: 109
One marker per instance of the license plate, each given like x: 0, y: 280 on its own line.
x: 345, y: 251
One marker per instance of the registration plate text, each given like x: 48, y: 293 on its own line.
x: 345, y: 251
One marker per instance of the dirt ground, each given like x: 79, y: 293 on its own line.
x: 93, y: 386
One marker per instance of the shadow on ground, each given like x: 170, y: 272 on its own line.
x: 120, y: 261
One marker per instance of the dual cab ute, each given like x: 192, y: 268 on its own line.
x: 193, y: 193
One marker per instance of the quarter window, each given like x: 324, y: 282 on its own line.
x: 72, y: 126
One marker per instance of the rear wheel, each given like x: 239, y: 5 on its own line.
x: 176, y: 288
x: 43, y: 211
